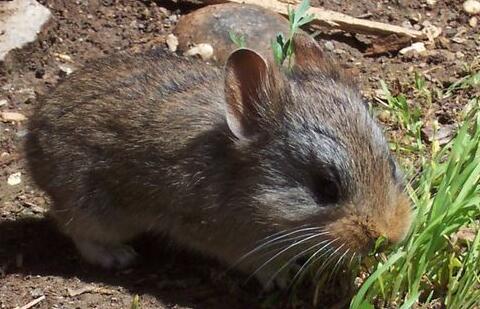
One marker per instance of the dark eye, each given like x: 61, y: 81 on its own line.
x: 325, y: 190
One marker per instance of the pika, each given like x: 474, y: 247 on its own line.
x: 230, y: 163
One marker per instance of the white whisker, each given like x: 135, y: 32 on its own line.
x: 311, y: 258
x: 283, y: 251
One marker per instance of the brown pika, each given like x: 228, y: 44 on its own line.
x: 253, y: 165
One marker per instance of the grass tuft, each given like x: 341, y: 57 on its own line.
x: 440, y: 261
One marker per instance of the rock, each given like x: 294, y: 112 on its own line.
x: 329, y: 46
x: 473, y: 22
x: 65, y: 69
x: 3, y: 102
x: 25, y: 95
x: 431, y: 2
x: 13, y: 116
x: 213, y: 24
x: 14, y: 179
x: 418, y: 47
x: 407, y: 24
x: 172, y: 42
x: 204, y: 50
x: 63, y: 57
x: 472, y: 7
x: 20, y: 21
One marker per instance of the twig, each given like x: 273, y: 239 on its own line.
x: 32, y: 303
x: 334, y: 19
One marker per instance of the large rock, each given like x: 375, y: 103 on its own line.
x: 20, y: 22
x: 213, y: 24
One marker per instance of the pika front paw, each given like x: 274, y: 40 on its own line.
x: 116, y: 256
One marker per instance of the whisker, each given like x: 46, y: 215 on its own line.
x: 335, y: 269
x: 281, y: 241
x: 309, y: 260
x: 332, y: 258
x: 269, y: 243
x: 299, y: 255
x: 303, y: 228
x: 351, y: 260
x: 284, y: 231
x: 326, y: 262
x: 283, y: 251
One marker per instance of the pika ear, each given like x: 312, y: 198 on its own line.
x: 308, y: 52
x: 246, y: 74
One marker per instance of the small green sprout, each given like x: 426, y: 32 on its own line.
x: 238, y: 39
x: 282, y: 46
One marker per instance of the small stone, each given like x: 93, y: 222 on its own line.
x: 459, y: 54
x: 3, y: 102
x: 459, y: 40
x: 65, y: 69
x: 204, y: 50
x: 329, y: 46
x: 384, y: 116
x: 25, y: 95
x: 407, y: 24
x: 431, y: 2
x: 14, y: 179
x: 418, y: 47
x: 472, y: 7
x: 172, y: 42
x: 13, y: 116
x: 473, y: 22
x: 63, y: 57
x: 20, y: 22
x: 36, y: 293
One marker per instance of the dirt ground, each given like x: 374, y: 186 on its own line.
x: 36, y: 260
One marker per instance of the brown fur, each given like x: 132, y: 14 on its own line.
x: 151, y: 142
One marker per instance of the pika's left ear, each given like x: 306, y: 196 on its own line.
x: 307, y: 51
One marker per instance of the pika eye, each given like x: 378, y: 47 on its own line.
x: 325, y: 190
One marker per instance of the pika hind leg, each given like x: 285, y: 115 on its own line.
x: 99, y: 231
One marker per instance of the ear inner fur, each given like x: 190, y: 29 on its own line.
x: 246, y: 73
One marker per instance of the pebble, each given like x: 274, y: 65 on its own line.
x: 66, y: 69
x: 329, y: 46
x: 14, y: 179
x: 431, y: 2
x: 20, y: 22
x: 204, y: 50
x: 64, y: 57
x: 3, y: 102
x: 473, y: 22
x: 13, y: 116
x: 471, y: 7
x: 418, y: 47
x: 407, y: 24
x: 172, y: 42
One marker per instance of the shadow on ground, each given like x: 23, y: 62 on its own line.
x: 171, y: 276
